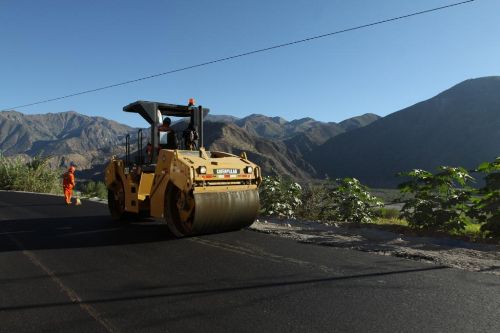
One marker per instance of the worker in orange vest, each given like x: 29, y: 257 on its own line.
x: 69, y: 184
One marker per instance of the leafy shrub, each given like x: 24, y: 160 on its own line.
x: 487, y: 206
x: 33, y: 176
x: 341, y: 200
x: 349, y: 201
x: 95, y: 189
x: 440, y: 201
x: 280, y: 196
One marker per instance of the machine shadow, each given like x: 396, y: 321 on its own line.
x: 77, y: 232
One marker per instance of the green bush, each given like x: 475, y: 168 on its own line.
x: 486, y: 207
x: 33, y: 176
x: 95, y: 189
x: 280, y: 196
x: 349, y: 201
x: 341, y: 200
x: 441, y: 200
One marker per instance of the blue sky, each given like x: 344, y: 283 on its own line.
x: 52, y: 48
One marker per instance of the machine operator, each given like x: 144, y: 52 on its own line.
x: 167, y: 137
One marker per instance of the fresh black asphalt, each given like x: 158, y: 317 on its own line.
x: 73, y: 269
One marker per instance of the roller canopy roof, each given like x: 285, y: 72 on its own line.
x: 149, y: 110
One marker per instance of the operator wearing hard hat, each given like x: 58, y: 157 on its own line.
x: 69, y: 184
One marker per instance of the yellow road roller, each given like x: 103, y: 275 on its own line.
x: 192, y: 190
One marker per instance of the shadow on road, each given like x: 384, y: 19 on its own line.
x: 223, y: 290
x: 77, y: 232
x: 60, y: 204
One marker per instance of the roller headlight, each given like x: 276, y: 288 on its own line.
x: 202, y: 170
x: 248, y: 169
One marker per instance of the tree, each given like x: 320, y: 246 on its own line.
x: 440, y: 201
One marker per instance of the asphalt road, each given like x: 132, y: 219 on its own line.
x: 72, y: 269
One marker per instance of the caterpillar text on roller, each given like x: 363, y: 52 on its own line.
x: 192, y: 190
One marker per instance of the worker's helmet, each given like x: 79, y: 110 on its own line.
x: 71, y: 168
x: 167, y: 121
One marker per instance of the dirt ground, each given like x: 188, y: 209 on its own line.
x: 440, y: 250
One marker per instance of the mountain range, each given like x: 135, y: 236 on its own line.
x: 89, y: 142
x: 65, y: 137
x: 460, y: 126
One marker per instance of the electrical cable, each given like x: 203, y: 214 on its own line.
x: 211, y: 62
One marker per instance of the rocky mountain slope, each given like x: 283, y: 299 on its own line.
x: 278, y: 145
x: 274, y: 143
x: 66, y: 136
x: 278, y: 128
x: 458, y: 127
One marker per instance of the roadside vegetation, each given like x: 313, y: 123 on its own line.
x: 433, y: 203
x: 93, y: 189
x: 36, y: 175
x: 280, y: 197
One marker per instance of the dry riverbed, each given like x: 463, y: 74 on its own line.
x: 440, y: 250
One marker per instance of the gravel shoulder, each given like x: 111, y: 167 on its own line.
x: 440, y: 250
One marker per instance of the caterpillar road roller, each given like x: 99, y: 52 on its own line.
x: 193, y: 190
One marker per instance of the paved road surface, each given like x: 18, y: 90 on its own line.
x: 72, y: 269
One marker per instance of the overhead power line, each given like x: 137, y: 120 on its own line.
x: 211, y: 62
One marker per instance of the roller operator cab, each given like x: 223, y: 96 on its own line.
x: 192, y: 190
